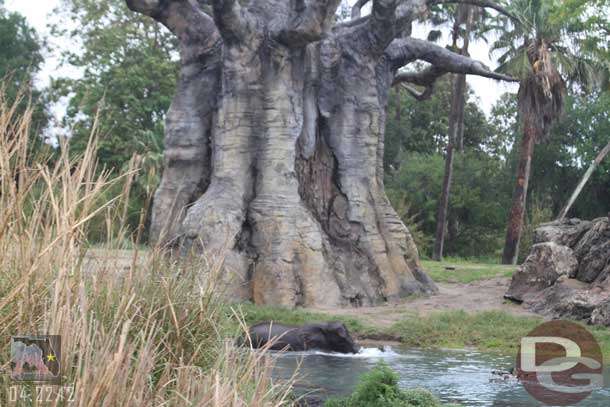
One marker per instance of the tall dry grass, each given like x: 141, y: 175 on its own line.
x: 141, y: 332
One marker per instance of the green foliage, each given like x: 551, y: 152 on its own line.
x: 559, y: 164
x: 410, y: 218
x: 379, y: 388
x: 129, y: 71
x: 539, y: 213
x: 423, y: 126
x: 478, y: 203
x: 576, y: 141
x: 20, y: 59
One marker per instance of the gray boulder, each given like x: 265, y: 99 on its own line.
x: 566, y: 274
x: 593, y: 252
x: 546, y: 263
x: 601, y: 314
x: 566, y: 232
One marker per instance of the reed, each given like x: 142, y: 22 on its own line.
x: 141, y: 330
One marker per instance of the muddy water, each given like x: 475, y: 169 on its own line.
x: 454, y: 376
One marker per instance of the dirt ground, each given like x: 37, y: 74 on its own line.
x: 480, y: 295
x: 483, y: 295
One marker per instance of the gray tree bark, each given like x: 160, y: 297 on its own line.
x: 274, y: 150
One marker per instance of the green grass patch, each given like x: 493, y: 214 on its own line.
x: 485, y: 331
x: 465, y: 271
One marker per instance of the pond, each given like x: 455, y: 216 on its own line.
x: 455, y: 376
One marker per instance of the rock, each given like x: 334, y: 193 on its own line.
x: 567, y: 272
x: 593, y: 252
x: 546, y: 263
x: 562, y: 301
x: 601, y: 315
x: 566, y: 232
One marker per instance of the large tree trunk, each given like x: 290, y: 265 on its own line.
x: 275, y: 142
x: 517, y: 213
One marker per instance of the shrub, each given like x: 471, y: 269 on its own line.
x: 379, y: 388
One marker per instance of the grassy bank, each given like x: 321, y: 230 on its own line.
x: 486, y: 331
x: 465, y: 271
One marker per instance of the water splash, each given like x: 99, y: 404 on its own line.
x: 385, y: 352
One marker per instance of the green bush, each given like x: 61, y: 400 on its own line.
x: 379, y: 388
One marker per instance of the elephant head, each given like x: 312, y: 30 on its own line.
x: 331, y: 336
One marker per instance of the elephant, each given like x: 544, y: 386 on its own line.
x: 326, y: 336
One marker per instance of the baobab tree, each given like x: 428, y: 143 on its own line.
x: 274, y: 146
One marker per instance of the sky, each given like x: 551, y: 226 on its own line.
x: 37, y: 12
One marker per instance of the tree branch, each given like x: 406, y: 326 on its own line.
x: 382, y: 24
x: 309, y: 21
x: 234, y: 23
x: 426, y: 78
x: 480, y: 3
x: 423, y: 78
x: 403, y: 51
x: 182, y: 17
x: 420, y: 96
x: 357, y: 8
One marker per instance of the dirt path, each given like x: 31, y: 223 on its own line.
x: 483, y: 295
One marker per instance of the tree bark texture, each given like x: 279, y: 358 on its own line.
x: 274, y: 148
x: 517, y: 212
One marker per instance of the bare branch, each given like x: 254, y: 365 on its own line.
x: 382, y: 24
x: 233, y: 22
x: 409, y: 10
x: 151, y: 8
x: 357, y: 8
x: 403, y: 51
x: 309, y: 21
x: 480, y: 3
x: 182, y: 17
x: 426, y: 78
x: 424, y: 95
x: 423, y: 78
x: 406, y: 12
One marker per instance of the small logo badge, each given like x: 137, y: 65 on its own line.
x: 36, y: 358
x: 560, y: 363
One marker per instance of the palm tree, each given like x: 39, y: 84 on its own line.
x: 535, y: 50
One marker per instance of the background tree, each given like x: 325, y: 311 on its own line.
x: 414, y: 177
x: 20, y: 60
x: 464, y: 16
x: 535, y: 51
x: 129, y: 69
x: 275, y: 140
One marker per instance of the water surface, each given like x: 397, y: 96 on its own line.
x: 455, y: 376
